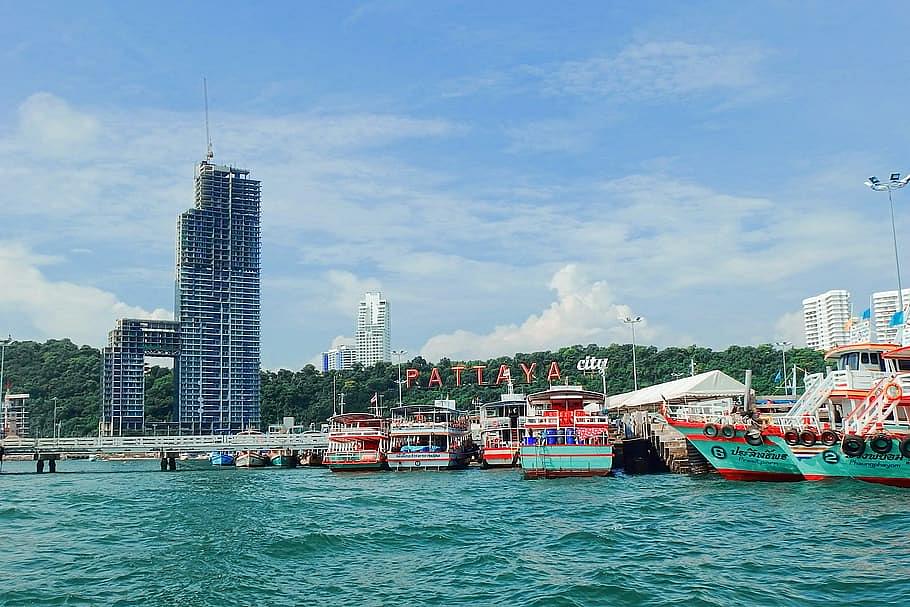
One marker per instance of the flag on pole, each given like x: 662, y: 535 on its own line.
x: 867, y: 313
x: 779, y: 376
x: 375, y: 399
x: 897, y: 319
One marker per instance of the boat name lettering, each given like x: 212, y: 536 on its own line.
x: 878, y: 456
x: 756, y: 454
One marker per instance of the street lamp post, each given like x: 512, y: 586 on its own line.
x: 783, y: 345
x: 3, y: 344
x: 55, y: 417
x: 632, y: 321
x: 895, y: 182
x: 398, y: 354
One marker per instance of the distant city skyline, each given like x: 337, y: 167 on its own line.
x: 528, y: 177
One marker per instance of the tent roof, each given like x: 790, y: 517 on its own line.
x: 712, y: 384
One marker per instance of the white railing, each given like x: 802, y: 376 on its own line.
x: 122, y: 444
x: 342, y: 432
x: 878, y: 408
x: 816, y: 395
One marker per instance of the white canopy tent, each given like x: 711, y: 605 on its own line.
x: 704, y: 386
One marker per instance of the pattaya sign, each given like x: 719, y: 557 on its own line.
x: 503, y: 375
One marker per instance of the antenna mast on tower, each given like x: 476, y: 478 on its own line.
x: 209, y: 154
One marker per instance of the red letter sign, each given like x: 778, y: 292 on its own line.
x: 411, y: 375
x: 479, y: 369
x: 554, y: 372
x: 505, y: 374
x: 458, y: 371
x: 434, y: 378
x: 528, y: 371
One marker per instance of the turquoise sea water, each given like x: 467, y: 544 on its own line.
x: 109, y: 533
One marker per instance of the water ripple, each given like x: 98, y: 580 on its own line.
x: 206, y: 537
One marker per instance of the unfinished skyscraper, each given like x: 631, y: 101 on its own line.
x: 218, y: 302
x: 214, y: 337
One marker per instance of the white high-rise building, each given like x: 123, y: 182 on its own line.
x: 884, y: 305
x: 373, y: 334
x: 827, y: 319
x: 341, y: 358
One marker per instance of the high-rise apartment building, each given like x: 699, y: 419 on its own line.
x: 827, y: 319
x: 373, y: 334
x: 218, y: 302
x: 884, y: 305
x: 341, y: 358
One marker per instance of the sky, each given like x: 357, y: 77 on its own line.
x: 514, y: 176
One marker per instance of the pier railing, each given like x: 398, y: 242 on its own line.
x: 310, y: 441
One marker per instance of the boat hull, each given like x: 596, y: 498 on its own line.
x: 553, y: 461
x: 251, y: 460
x: 355, y: 461
x: 222, y: 459
x: 500, y: 457
x: 285, y: 461
x: 891, y: 468
x: 427, y: 461
x: 736, y: 460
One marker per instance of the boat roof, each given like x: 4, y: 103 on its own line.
x: 506, y: 399
x: 565, y: 393
x: 354, y: 416
x: 405, y: 409
x: 838, y: 351
x: 902, y: 353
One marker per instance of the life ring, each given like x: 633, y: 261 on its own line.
x: 754, y: 437
x: 711, y: 430
x: 881, y: 443
x: 829, y: 438
x: 417, y: 463
x: 728, y: 431
x: 894, y: 392
x: 791, y: 437
x: 808, y: 438
x: 905, y: 447
x: 853, y: 445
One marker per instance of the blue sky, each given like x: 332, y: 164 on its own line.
x: 514, y: 175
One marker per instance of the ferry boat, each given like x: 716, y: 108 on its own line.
x: 251, y: 459
x: 500, y: 432
x: 562, y: 438
x: 428, y: 437
x: 855, y: 421
x: 221, y: 458
x: 733, y: 443
x: 357, y: 441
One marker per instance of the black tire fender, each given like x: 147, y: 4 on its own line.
x: 829, y: 438
x: 791, y: 437
x: 853, y: 445
x: 728, y: 431
x: 808, y: 438
x: 881, y: 443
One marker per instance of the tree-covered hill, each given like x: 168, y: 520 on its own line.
x: 59, y: 368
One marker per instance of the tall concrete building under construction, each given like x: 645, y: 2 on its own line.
x: 214, y: 337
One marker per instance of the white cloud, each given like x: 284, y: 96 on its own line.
x: 791, y: 327
x: 55, y: 309
x: 656, y: 70
x: 347, y: 289
x: 584, y: 312
x: 50, y: 126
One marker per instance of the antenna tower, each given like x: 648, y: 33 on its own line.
x: 209, y: 154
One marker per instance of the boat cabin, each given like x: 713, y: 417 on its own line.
x: 435, y: 428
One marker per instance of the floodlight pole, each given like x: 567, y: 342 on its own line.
x: 398, y: 354
x: 631, y: 321
x: 894, y: 183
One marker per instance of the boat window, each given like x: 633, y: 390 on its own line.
x: 852, y: 361
x: 864, y: 358
x: 903, y: 364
